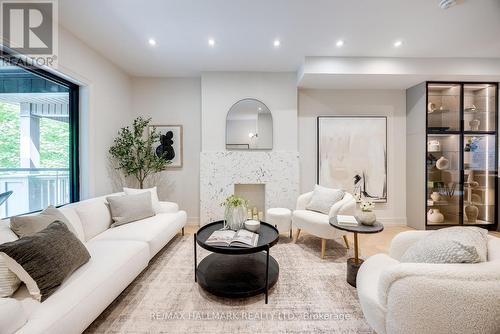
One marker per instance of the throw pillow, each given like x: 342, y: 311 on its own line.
x: 130, y: 208
x: 28, y: 225
x: 450, y: 245
x: 45, y: 259
x: 154, y: 196
x: 324, y: 198
x: 9, y: 282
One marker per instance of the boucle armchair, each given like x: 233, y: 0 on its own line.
x: 400, y: 298
x: 318, y: 224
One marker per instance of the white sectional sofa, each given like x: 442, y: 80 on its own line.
x: 118, y: 256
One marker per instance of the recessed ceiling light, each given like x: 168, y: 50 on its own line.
x: 276, y: 43
x: 211, y: 42
x: 340, y: 43
x: 152, y: 41
x: 398, y: 43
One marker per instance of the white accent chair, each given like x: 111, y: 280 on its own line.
x: 318, y: 224
x: 408, y: 298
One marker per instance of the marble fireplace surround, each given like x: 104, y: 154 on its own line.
x: 220, y: 171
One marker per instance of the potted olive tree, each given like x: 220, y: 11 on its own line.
x: 133, y: 151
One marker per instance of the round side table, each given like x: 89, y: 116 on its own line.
x: 235, y: 272
x: 353, y: 264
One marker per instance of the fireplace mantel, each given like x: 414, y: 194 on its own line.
x: 219, y: 171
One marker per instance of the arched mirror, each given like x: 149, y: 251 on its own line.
x: 249, y: 126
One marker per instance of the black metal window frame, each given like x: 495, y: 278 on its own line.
x: 74, y: 117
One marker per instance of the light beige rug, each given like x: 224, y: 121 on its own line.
x: 311, y: 296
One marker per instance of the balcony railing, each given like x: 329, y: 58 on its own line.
x: 34, y: 189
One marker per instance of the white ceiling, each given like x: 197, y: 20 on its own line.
x: 244, y: 31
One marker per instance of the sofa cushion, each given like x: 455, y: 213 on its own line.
x: 130, y: 208
x: 45, y: 259
x: 9, y: 282
x: 94, y: 215
x: 324, y: 198
x: 154, y: 196
x: 450, y: 245
x: 28, y: 225
x: 156, y: 230
x: 12, y: 315
x: 83, y: 296
x: 74, y: 220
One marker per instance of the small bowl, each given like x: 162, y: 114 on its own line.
x: 252, y: 225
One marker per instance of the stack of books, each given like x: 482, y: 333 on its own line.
x: 347, y: 220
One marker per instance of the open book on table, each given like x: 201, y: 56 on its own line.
x: 240, y: 238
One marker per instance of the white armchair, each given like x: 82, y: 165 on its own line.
x: 317, y: 223
x: 430, y: 298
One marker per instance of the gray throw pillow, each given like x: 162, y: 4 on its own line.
x: 324, y: 198
x: 129, y: 208
x: 450, y: 245
x: 45, y: 259
x: 25, y: 226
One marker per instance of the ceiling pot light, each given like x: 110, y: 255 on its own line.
x: 397, y: 44
x: 276, y: 43
x: 152, y: 41
x: 340, y: 43
x: 211, y: 42
x: 445, y: 4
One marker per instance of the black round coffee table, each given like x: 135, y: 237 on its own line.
x: 353, y: 264
x: 236, y: 272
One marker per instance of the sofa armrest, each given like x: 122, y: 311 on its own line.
x: 303, y: 200
x: 168, y: 207
x: 346, y: 206
x: 401, y: 242
x: 423, y: 297
x: 12, y: 315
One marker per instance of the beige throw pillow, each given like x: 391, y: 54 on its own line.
x: 9, y: 282
x: 450, y: 245
x: 324, y: 198
x: 25, y: 226
x: 154, y: 196
x: 130, y: 208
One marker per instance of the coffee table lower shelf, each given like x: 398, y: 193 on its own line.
x: 236, y: 276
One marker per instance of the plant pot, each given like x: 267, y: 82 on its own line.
x: 434, y: 216
x: 471, y: 211
x: 235, y: 217
x: 367, y: 218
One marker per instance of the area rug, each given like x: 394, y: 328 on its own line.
x: 311, y: 296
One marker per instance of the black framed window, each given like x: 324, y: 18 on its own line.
x: 38, y: 139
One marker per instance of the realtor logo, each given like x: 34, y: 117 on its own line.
x: 29, y: 28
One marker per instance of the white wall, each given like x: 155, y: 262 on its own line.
x: 170, y: 101
x: 220, y: 90
x: 105, y: 107
x: 390, y: 103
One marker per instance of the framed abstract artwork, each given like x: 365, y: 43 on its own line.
x: 352, y: 155
x: 170, y: 144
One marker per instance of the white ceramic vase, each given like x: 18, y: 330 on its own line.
x: 474, y: 125
x: 367, y: 218
x: 435, y: 196
x: 434, y: 216
x: 442, y: 163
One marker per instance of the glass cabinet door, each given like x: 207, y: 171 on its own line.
x: 443, y: 107
x: 480, y: 177
x: 444, y: 195
x: 479, y: 107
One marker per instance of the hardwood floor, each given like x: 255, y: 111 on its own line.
x: 369, y: 244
